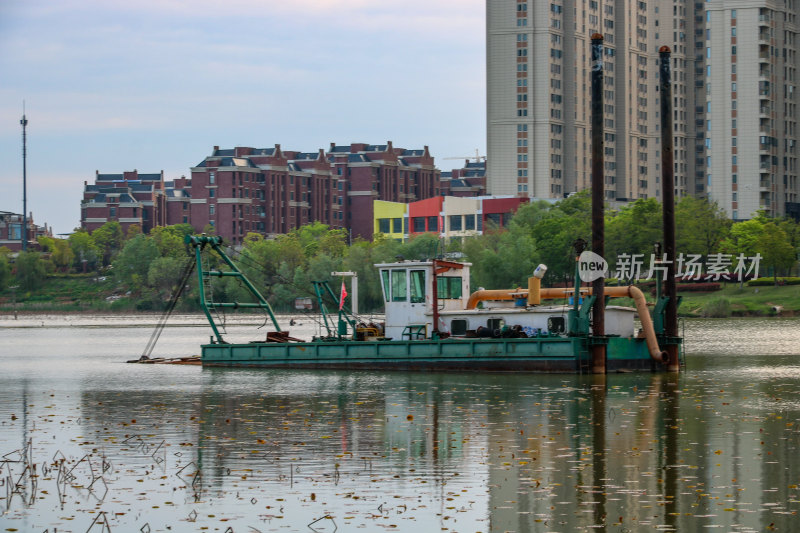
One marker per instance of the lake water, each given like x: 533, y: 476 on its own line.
x: 89, y: 443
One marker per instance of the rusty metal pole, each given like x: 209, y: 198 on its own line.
x: 668, y: 203
x: 598, y: 198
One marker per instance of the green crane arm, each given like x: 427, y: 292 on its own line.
x: 199, y: 242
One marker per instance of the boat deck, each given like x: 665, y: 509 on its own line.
x: 544, y: 354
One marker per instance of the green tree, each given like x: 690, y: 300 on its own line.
x: 5, y: 268
x: 634, y: 229
x: 163, y: 276
x: 61, y: 254
x: 775, y: 249
x: 502, y: 260
x: 133, y: 262
x: 133, y: 231
x: 31, y: 270
x: 108, y: 238
x: 361, y: 257
x: 557, y: 230
x: 744, y: 237
x: 701, y: 226
x: 84, y: 250
x: 169, y: 240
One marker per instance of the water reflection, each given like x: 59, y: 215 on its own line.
x: 187, y: 448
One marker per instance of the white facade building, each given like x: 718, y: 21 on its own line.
x: 538, y: 95
x: 752, y: 132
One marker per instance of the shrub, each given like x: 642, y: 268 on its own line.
x: 698, y: 287
x: 766, y: 282
x: 717, y: 308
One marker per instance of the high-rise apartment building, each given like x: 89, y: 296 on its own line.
x: 538, y: 95
x: 752, y: 80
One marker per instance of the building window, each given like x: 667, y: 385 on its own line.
x: 455, y: 222
x: 419, y: 224
x: 112, y: 212
x: 383, y: 225
x: 211, y: 209
x: 433, y: 223
x: 397, y: 225
x: 469, y: 222
x: 212, y: 193
x: 212, y: 178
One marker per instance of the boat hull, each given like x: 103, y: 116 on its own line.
x: 545, y: 355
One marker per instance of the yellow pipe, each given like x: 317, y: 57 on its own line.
x: 644, y: 317
x: 615, y: 292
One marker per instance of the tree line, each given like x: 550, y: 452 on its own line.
x: 146, y: 268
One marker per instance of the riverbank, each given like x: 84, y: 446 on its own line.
x: 733, y: 300
x: 93, y: 294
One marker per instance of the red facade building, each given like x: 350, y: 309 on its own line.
x: 129, y: 198
x: 425, y: 216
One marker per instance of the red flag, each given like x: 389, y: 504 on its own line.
x: 342, y: 297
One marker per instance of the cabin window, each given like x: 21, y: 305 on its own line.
x: 417, y: 286
x: 555, y: 324
x: 387, y: 288
x: 458, y: 327
x: 448, y: 287
x: 495, y: 323
x: 399, y: 289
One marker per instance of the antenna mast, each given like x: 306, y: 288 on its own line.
x: 24, y: 123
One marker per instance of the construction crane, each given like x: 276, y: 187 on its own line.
x: 477, y: 157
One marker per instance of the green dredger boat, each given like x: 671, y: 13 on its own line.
x: 432, y: 322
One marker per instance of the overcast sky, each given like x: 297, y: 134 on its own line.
x: 115, y: 85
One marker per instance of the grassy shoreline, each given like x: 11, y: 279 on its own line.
x: 93, y: 294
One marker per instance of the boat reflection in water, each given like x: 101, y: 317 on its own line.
x: 188, y: 447
x: 499, y: 453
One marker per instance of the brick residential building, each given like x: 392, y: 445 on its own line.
x: 468, y: 181
x: 272, y: 191
x: 267, y: 190
x: 130, y: 198
x: 11, y: 231
x: 261, y: 190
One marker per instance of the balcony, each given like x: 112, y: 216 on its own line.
x: 765, y: 186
